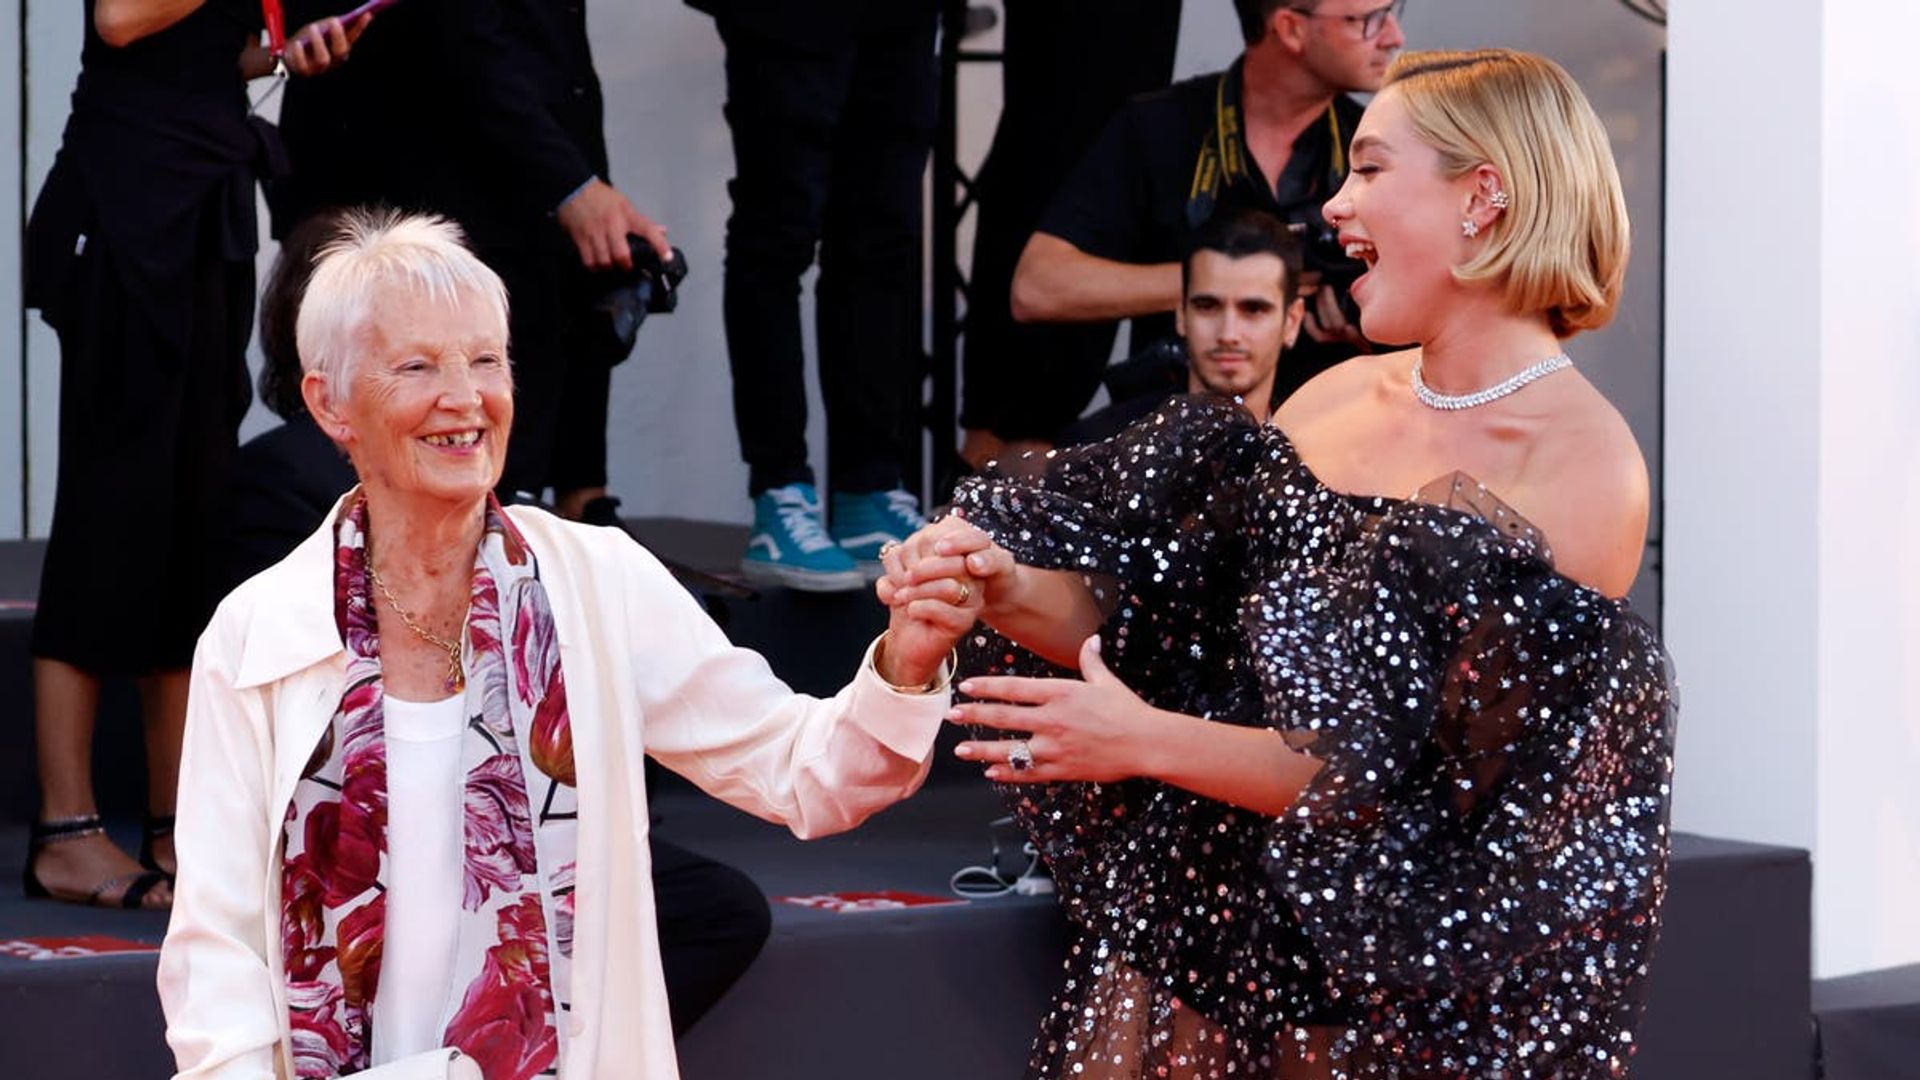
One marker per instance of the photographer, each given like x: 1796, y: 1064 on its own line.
x: 489, y: 112
x: 1270, y: 133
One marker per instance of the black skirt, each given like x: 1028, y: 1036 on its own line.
x: 140, y: 256
x: 147, y: 434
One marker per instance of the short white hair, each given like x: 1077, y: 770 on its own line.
x: 375, y: 249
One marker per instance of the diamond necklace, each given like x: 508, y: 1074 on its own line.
x: 1433, y: 399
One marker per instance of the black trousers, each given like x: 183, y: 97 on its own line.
x: 830, y: 147
x: 560, y: 386
x: 136, y: 557
x: 1069, y: 65
x: 713, y: 920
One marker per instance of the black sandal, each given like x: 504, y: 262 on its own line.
x: 157, y: 827
x: 43, y: 833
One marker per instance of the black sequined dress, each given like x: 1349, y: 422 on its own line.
x: 1471, y: 885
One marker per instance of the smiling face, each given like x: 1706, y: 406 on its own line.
x: 430, y: 403
x: 1237, y: 319
x: 1401, y: 214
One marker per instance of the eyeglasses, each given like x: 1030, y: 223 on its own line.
x: 1371, y: 22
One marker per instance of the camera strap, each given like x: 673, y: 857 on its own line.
x: 1224, y: 162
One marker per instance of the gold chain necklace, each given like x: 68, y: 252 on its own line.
x: 456, y: 671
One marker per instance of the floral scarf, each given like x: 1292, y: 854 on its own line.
x: 516, y: 924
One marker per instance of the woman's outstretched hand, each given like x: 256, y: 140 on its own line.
x: 1087, y: 729
x: 950, y: 563
x: 931, y: 596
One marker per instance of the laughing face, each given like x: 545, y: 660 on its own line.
x: 1400, y: 214
x: 431, y: 399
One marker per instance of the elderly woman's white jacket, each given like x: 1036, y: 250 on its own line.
x: 647, y: 673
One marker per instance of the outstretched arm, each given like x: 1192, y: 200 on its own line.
x: 1057, y: 282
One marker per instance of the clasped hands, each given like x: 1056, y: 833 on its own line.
x: 949, y: 575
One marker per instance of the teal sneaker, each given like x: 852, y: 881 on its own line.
x: 789, y: 545
x: 863, y: 522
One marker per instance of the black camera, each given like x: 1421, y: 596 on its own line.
x: 652, y: 287
x: 1159, y: 369
x: 1325, y: 261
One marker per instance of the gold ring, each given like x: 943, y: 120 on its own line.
x: 966, y: 594
x: 889, y: 548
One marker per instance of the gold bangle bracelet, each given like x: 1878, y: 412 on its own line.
x: 940, y: 682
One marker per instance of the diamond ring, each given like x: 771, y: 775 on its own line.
x: 1021, y: 756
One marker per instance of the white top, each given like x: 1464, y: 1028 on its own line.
x: 426, y: 845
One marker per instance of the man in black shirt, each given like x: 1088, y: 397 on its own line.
x: 1270, y: 133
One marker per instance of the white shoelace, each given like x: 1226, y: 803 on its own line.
x: 903, y: 504
x: 803, y: 526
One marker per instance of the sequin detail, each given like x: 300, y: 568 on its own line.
x: 1471, y: 885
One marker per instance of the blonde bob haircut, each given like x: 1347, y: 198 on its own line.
x: 1561, y: 246
x: 377, y: 250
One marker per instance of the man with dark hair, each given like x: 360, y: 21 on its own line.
x: 1269, y: 133
x: 1240, y: 312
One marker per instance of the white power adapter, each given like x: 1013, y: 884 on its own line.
x: 1033, y: 885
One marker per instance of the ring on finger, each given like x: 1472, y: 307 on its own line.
x: 1020, y: 758
x: 966, y: 594
x: 889, y: 548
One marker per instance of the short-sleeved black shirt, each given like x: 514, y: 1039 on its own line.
x: 1127, y: 199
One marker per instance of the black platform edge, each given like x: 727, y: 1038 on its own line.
x: 948, y: 993
x: 1869, y: 1024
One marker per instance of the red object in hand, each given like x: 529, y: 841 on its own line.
x: 275, y: 17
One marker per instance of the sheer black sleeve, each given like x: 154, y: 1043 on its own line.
x: 1486, y: 846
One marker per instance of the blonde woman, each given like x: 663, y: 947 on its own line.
x: 1365, y: 772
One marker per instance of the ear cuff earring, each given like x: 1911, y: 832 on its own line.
x: 1498, y: 200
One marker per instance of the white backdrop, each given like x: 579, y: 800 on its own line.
x: 1793, y: 600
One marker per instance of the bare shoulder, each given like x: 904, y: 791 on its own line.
x: 1590, y: 493
x: 1347, y: 383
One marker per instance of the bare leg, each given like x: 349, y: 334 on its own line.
x: 65, y: 701
x: 163, y: 713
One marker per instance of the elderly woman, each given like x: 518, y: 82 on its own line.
x: 413, y: 818
x: 1366, y: 772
